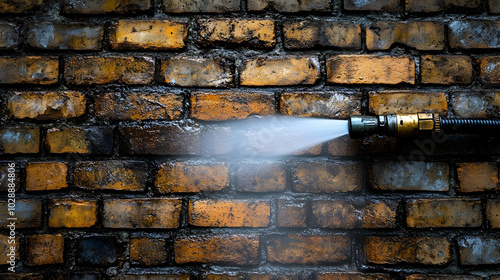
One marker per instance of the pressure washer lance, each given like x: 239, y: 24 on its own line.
x: 420, y: 124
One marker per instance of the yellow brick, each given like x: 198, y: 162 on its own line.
x: 42, y: 176
x: 70, y: 213
x: 254, y: 32
x: 407, y: 102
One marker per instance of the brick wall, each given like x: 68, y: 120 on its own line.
x: 106, y: 106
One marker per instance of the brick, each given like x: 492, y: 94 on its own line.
x: 9, y: 36
x: 145, y: 276
x: 407, y: 102
x: 280, y: 71
x: 83, y: 140
x: 430, y: 6
x: 370, y: 69
x: 320, y: 104
x: 105, y: 6
x: 219, y: 106
x: 256, y: 33
x: 186, y: 177
x: 351, y: 276
x: 479, y: 250
x: 72, y: 213
x: 327, y: 177
x: 421, y: 35
x: 476, y: 177
x: 148, y: 251
x: 354, y: 213
x: 316, y: 249
x: 15, y: 140
x: 9, y: 244
x: 418, y: 176
x: 28, y: 213
x: 474, y: 34
x: 197, y: 72
x: 35, y: 70
x: 222, y: 277
x: 390, y: 6
x: 65, y: 36
x: 21, y: 276
x: 429, y: 213
x: 489, y: 70
x: 45, y: 176
x: 229, y: 213
x: 493, y: 213
x: 494, y: 6
x: 442, y: 277
x: 289, y: 6
x: 201, y: 6
x: 17, y: 7
x: 476, y: 104
x: 92, y: 70
x: 292, y: 213
x: 412, y: 250
x: 178, y: 139
x: 110, y: 175
x: 446, y: 69
x: 260, y: 177
x: 222, y: 249
x: 310, y: 34
x: 44, y: 249
x: 345, y: 146
x: 98, y: 250
x: 45, y: 105
x: 4, y: 177
x: 148, y: 35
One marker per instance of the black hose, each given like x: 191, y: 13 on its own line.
x: 471, y: 126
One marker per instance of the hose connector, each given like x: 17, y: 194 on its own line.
x: 394, y: 125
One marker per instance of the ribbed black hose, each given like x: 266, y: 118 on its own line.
x: 471, y: 126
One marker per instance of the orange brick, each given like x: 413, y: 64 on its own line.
x: 44, y: 249
x: 292, y: 213
x: 345, y: 146
x: 28, y: 213
x: 110, y: 175
x: 72, y: 213
x: 407, y: 102
x: 148, y: 35
x: 413, y: 250
x: 428, y: 213
x: 44, y: 176
x: 260, y: 177
x: 310, y: 34
x: 91, y: 70
x: 197, y: 72
x: 65, y: 36
x: 352, y: 276
x: 10, y: 36
x: 46, y: 105
x: 476, y: 177
x: 229, y: 213
x: 200, y: 6
x: 222, y: 249
x: 473, y: 34
x: 287, y: 6
x: 493, y: 212
x: 15, y: 140
x: 90, y: 140
x: 142, y: 213
x: 430, y: 6
x: 105, y: 6
x: 446, y: 69
x: 280, y: 71
x: 253, y: 32
x: 442, y: 277
x: 421, y: 35
x: 147, y: 276
x: 327, y: 177
x: 9, y: 244
x: 19, y: 6
x: 370, y: 69
x: 148, y: 251
x: 316, y: 249
x: 320, y: 104
x: 35, y: 70
x: 391, y: 6
x: 219, y: 106
x: 490, y: 70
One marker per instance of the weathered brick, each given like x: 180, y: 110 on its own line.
x: 9, y: 244
x: 219, y: 106
x: 421, y: 35
x: 142, y: 213
x: 17, y: 7
x: 430, y: 6
x: 175, y: 139
x: 72, y: 213
x: 83, y: 140
x: 476, y: 177
x: 110, y: 175
x: 257, y: 33
x: 320, y: 104
x: 99, y: 250
x: 407, y: 102
x: 289, y: 6
x: 292, y: 213
x: 474, y: 34
x: 221, y: 249
x: 493, y: 213
x: 413, y: 250
x: 36, y: 70
x: 148, y: 35
x: 229, y: 213
x: 185, y: 177
x: 222, y: 277
x: 105, y: 6
x: 309, y: 34
x: 327, y: 177
x: 280, y: 71
x: 21, y: 276
x: 44, y: 249
x: 65, y: 36
x: 148, y: 251
x: 201, y: 6
x: 5, y: 167
x: 146, y: 276
x: 28, y: 213
x: 479, y: 250
x: 476, y: 104
x: 45, y: 105
x: 390, y: 6
x: 197, y: 72
x: 44, y: 176
x: 490, y: 70
x: 429, y: 213
x: 345, y: 146
x: 91, y: 70
x: 316, y: 249
x: 494, y: 6
x: 15, y: 140
x: 370, y: 69
x: 260, y: 177
x: 446, y: 69
x: 9, y: 36
x: 442, y: 277
x: 354, y: 213
x: 351, y: 276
